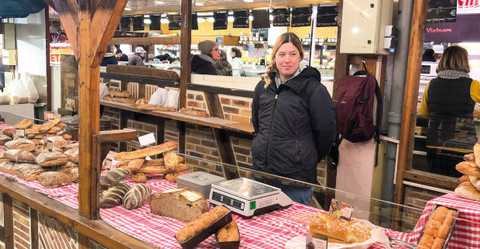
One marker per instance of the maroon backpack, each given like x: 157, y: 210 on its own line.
x: 355, y: 102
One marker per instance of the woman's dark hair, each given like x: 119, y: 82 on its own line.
x: 118, y: 51
x: 237, y: 52
x: 430, y: 53
x: 454, y: 58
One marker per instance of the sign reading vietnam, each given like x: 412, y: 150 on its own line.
x: 468, y: 7
x: 57, y: 49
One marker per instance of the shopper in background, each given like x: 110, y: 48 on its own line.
x: 237, y: 63
x: 137, y: 58
x: 429, y: 55
x: 222, y: 65
x: 448, y: 103
x: 109, y: 57
x: 120, y: 56
x: 294, y: 120
x: 204, y: 62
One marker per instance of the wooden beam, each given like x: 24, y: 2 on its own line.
x: 104, y: 23
x: 69, y: 22
x: 410, y: 100
x: 431, y: 179
x: 8, y: 220
x: 145, y: 40
x: 34, y: 238
x: 185, y: 50
x: 51, y: 4
x: 47, y: 61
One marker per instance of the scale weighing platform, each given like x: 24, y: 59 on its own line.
x: 248, y: 197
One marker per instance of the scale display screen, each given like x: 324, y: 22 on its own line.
x: 228, y: 201
x: 247, y: 188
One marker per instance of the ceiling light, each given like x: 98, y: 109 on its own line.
x: 159, y: 2
x: 128, y: 8
x: 210, y: 19
x: 147, y: 21
x: 230, y: 19
x: 250, y: 18
x: 198, y: 4
x: 200, y: 20
x: 248, y: 1
x: 271, y: 17
x: 164, y: 20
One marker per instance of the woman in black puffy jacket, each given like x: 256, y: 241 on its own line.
x: 294, y: 120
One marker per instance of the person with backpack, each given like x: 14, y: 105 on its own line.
x: 448, y: 102
x: 294, y: 120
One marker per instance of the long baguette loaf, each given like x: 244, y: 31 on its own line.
x: 113, y: 177
x: 161, y: 169
x: 171, y: 160
x: 24, y: 124
x: 49, y: 124
x: 160, y: 161
x: 180, y: 204
x: 151, y: 151
x: 137, y: 196
x: 114, y: 195
x: 468, y: 168
x: 200, y: 223
x: 468, y: 192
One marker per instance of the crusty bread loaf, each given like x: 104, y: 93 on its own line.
x: 200, y: 223
x: 72, y: 155
x: 8, y: 167
x: 57, y: 141
x: 463, y: 178
x: 468, y: 192
x: 161, y: 161
x: 73, y: 173
x: 28, y: 171
x: 426, y: 241
x: 67, y: 136
x: 352, y: 231
x: 113, y: 177
x: 137, y: 196
x: 468, y: 168
x: 141, y: 101
x: 21, y: 144
x: 139, y: 177
x: 476, y: 151
x: 113, y: 196
x: 475, y: 181
x: 132, y: 165
x: 161, y: 169
x: 172, y: 177
x: 24, y: 124
x: 229, y: 233
x: 4, y: 138
x: 437, y: 228
x: 48, y: 159
x: 49, y: 124
x: 180, y: 204
x: 71, y: 146
x: 192, y: 112
x: 54, y: 179
x: 8, y: 131
x: 19, y: 156
x: 469, y: 157
x: 150, y: 151
x: 150, y: 107
x: 118, y: 93
x: 171, y: 160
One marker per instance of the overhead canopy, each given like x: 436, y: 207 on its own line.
x: 20, y: 8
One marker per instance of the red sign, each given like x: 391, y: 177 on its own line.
x: 468, y: 7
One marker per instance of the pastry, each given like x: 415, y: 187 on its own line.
x: 150, y: 151
x: 180, y: 204
x: 113, y: 196
x: 137, y: 196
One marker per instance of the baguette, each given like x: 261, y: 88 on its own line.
x: 150, y: 107
x: 468, y: 168
x: 151, y: 151
x: 161, y: 169
x: 116, y: 93
x: 192, y: 112
x: 160, y: 161
x: 114, y: 195
x: 132, y: 165
x: 180, y: 204
x: 137, y: 196
x: 171, y: 160
x: 476, y: 151
x: 200, y: 223
x: 49, y: 124
x: 24, y: 124
x: 468, y: 192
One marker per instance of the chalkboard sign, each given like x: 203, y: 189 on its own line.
x: 301, y: 17
x: 440, y: 11
x: 327, y: 16
x: 281, y: 17
x: 260, y: 19
x: 262, y: 32
x: 194, y: 22
x: 240, y: 19
x: 137, y: 23
x: 125, y: 24
x: 155, y: 25
x: 220, y: 20
x: 174, y: 22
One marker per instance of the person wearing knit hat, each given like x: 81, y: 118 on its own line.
x: 137, y: 58
x: 204, y: 62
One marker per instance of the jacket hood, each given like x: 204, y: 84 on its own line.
x: 199, y: 60
x: 298, y: 82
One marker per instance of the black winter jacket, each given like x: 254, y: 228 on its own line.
x: 294, y: 124
x: 201, y: 66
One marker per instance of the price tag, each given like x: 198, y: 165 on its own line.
x: 114, y: 162
x: 48, y: 115
x: 148, y: 158
x: 316, y: 241
x: 341, y: 209
x: 49, y: 144
x: 146, y: 140
x: 19, y: 133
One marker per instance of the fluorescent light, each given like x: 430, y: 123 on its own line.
x: 198, y: 4
x: 164, y: 20
x: 271, y: 17
x: 159, y: 2
x: 250, y: 18
x: 210, y: 19
x: 248, y: 1
x: 200, y: 20
x: 230, y: 19
x: 128, y: 8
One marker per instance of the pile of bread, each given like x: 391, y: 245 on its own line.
x: 437, y: 228
x: 53, y: 160
x: 339, y: 230
x: 119, y: 96
x: 469, y: 186
x: 143, y: 104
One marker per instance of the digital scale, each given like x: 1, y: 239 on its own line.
x: 248, y: 197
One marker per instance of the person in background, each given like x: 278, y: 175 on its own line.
x: 448, y: 102
x: 237, y: 63
x: 222, y: 65
x: 109, y: 57
x: 204, y: 62
x: 137, y: 58
x: 294, y: 120
x: 429, y: 55
x: 165, y: 57
x: 120, y: 56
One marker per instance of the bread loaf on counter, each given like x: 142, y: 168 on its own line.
x: 113, y: 196
x: 48, y: 158
x: 112, y: 178
x: 54, y: 179
x: 137, y: 196
x: 28, y: 171
x: 24, y: 124
x: 21, y: 144
x: 19, y: 156
x: 180, y: 204
x: 72, y: 155
x: 200, y: 223
x: 171, y: 160
x: 150, y: 151
x: 229, y: 233
x: 353, y: 231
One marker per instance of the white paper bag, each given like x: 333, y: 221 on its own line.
x: 159, y: 97
x: 172, y: 99
x: 103, y: 90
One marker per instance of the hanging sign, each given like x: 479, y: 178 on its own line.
x: 468, y: 7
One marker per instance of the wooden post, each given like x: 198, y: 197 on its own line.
x: 410, y: 100
x: 186, y: 40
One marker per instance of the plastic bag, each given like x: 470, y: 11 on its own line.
x: 172, y: 98
x: 32, y: 93
x: 159, y: 97
x: 103, y: 90
x: 18, y: 93
x: 4, y: 98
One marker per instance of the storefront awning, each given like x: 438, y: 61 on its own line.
x: 20, y: 8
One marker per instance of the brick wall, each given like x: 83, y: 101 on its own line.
x: 142, y: 128
x: 21, y: 225
x: 112, y: 115
x: 53, y: 234
x: 418, y: 198
x: 196, y: 101
x: 171, y: 130
x: 236, y: 108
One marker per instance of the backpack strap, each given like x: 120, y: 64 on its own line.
x: 378, y: 121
